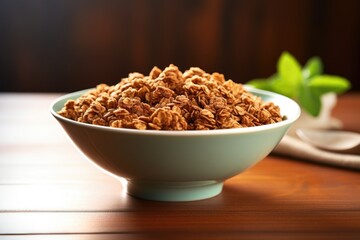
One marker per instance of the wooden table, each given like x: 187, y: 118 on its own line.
x: 49, y: 191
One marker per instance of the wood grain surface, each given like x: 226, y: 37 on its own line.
x: 48, y: 190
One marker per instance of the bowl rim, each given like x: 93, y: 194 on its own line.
x: 286, y: 122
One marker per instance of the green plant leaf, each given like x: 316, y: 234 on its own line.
x: 310, y: 100
x: 305, y: 85
x: 265, y: 84
x: 312, y: 68
x: 290, y: 75
x: 328, y: 83
x: 283, y: 87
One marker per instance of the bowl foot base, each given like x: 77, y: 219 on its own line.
x: 174, y: 191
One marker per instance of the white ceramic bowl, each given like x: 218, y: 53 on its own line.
x: 177, y: 165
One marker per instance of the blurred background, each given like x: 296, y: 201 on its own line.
x: 68, y: 45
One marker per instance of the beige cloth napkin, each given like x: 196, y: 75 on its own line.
x: 294, y: 147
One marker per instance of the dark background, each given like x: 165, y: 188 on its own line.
x: 59, y: 45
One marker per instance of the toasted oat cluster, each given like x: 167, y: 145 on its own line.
x: 172, y: 100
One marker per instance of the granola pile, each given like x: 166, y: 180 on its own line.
x: 172, y: 100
